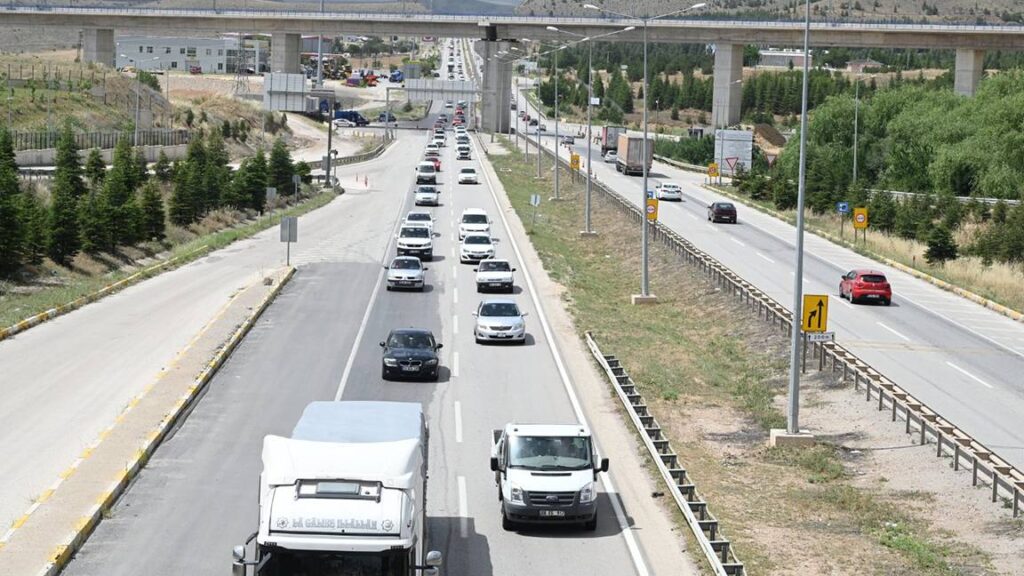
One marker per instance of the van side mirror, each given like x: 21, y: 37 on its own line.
x: 494, y: 464
x: 604, y: 464
x: 434, y: 558
x: 513, y: 269
x: 439, y: 345
x: 238, y: 553
x: 381, y: 343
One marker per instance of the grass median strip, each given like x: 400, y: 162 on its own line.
x: 715, y: 377
x: 69, y: 285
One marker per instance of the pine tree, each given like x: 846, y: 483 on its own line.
x: 35, y: 218
x: 11, y: 220
x: 280, y: 169
x: 63, y: 241
x: 68, y: 165
x: 162, y: 168
x: 95, y: 168
x: 184, y: 207
x: 94, y: 223
x: 118, y: 191
x: 7, y: 158
x: 153, y: 214
x: 256, y: 183
x: 141, y: 168
x: 217, y: 174
x: 941, y: 246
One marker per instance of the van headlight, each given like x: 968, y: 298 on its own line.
x: 431, y: 362
x: 588, y: 494
x: 390, y: 362
x: 516, y: 494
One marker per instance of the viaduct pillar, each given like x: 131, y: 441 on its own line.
x: 969, y: 67
x: 728, y: 93
x: 284, y: 53
x: 496, y: 92
x: 98, y: 46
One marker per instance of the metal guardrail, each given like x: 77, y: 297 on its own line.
x: 355, y: 158
x: 704, y: 526
x: 1004, y: 479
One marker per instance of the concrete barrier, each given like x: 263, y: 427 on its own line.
x: 47, y: 157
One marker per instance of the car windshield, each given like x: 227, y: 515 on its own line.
x: 494, y: 266
x: 418, y: 217
x: 873, y: 278
x: 426, y: 168
x: 499, y: 309
x: 468, y: 171
x: 549, y: 453
x: 426, y: 190
x: 405, y: 264
x: 479, y: 239
x: 474, y: 219
x: 415, y: 232
x: 411, y: 340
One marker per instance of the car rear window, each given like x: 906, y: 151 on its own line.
x: 724, y: 206
x: 873, y: 278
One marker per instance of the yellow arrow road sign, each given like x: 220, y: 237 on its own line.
x: 815, y: 313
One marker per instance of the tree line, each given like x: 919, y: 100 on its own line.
x: 94, y: 209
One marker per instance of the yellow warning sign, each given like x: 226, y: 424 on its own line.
x: 713, y: 170
x: 652, y: 209
x: 860, y: 218
x: 574, y: 161
x: 815, y: 313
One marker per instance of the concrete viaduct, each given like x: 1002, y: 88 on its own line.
x: 499, y: 32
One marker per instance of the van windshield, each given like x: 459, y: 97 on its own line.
x: 549, y: 452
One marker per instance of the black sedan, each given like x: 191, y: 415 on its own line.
x: 722, y: 212
x: 410, y: 353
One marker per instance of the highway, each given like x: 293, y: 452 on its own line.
x: 960, y: 358
x: 318, y: 341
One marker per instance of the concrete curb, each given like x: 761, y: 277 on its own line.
x: 89, y: 298
x: 62, y: 553
x: 963, y: 293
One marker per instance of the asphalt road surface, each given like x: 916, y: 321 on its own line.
x: 319, y: 341
x: 961, y: 359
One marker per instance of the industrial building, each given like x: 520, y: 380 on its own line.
x: 197, y: 55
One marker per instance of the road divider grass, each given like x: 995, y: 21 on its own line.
x: 715, y: 377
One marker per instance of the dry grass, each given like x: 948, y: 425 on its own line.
x: 711, y: 372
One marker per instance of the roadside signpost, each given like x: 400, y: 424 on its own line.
x: 535, y: 202
x: 731, y: 161
x: 843, y: 208
x: 713, y: 170
x: 815, y: 324
x: 860, y: 222
x: 652, y: 209
x: 289, y: 234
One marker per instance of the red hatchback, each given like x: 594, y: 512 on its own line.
x: 867, y: 285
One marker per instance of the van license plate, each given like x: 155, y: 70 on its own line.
x: 552, y: 513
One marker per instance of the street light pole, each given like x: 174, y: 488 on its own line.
x: 793, y: 413
x: 590, y: 104
x: 556, y: 125
x: 320, y: 52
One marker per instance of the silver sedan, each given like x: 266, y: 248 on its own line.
x: 499, y: 320
x: 406, y: 272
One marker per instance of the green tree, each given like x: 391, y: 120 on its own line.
x: 280, y: 169
x: 94, y: 223
x: 63, y: 241
x: 12, y: 241
x: 162, y: 168
x: 941, y: 246
x: 95, y: 167
x: 67, y: 163
x: 184, y: 208
x: 7, y: 157
x: 153, y: 214
x: 118, y: 193
x: 216, y: 173
x: 141, y: 168
x: 256, y: 184
x: 35, y: 218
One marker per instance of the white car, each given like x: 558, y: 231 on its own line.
x: 419, y: 218
x: 426, y: 173
x: 406, y: 272
x: 494, y: 275
x: 438, y: 140
x: 611, y: 156
x: 499, y: 320
x: 669, y: 191
x: 343, y: 123
x: 433, y: 148
x: 474, y: 221
x: 468, y: 176
x: 427, y: 196
x: 415, y: 241
x: 476, y: 247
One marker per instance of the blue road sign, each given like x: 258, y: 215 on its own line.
x: 843, y: 207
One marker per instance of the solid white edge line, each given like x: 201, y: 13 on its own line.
x: 369, y: 310
x: 969, y: 375
x: 893, y: 331
x: 627, y: 533
x: 463, y: 508
x: 458, y: 421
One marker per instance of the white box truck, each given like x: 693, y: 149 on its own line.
x: 546, y: 474
x: 345, y: 494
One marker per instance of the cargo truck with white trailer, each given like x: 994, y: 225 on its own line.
x: 631, y: 154
x: 344, y: 495
x: 546, y: 474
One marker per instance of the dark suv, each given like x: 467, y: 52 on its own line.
x: 410, y: 353
x: 722, y: 212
